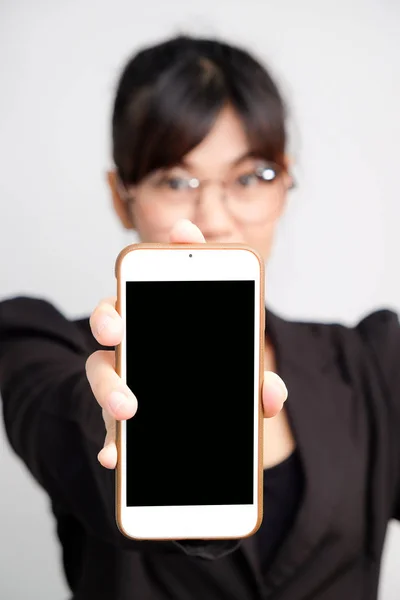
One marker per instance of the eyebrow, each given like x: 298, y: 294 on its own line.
x: 233, y: 163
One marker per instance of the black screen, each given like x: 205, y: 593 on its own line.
x: 190, y: 363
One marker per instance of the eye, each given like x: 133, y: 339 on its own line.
x: 248, y: 179
x: 266, y: 173
x: 175, y: 183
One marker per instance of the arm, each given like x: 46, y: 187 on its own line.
x: 51, y: 418
x: 55, y: 425
x: 380, y: 333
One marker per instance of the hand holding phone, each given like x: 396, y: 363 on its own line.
x: 107, y: 328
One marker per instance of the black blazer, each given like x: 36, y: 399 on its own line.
x: 344, y: 407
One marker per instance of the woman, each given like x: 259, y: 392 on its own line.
x: 199, y: 146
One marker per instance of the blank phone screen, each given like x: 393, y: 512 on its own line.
x: 190, y: 363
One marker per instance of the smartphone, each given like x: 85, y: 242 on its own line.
x: 190, y: 460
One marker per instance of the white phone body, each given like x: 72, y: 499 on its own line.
x: 142, y: 267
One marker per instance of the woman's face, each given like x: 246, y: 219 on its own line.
x: 230, y: 196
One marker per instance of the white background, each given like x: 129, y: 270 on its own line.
x: 337, y: 251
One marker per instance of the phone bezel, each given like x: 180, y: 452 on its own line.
x: 149, y: 262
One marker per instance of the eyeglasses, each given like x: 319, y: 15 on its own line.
x: 252, y: 192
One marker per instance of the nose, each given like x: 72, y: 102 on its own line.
x: 212, y: 216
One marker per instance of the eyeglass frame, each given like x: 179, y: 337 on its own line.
x: 197, y: 183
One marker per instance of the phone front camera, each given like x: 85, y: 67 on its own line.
x: 190, y: 255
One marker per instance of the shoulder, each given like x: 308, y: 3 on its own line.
x: 374, y: 328
x: 370, y: 347
x: 380, y: 335
x: 379, y: 326
x: 377, y: 334
x: 23, y: 316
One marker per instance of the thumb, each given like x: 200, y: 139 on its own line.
x: 274, y: 394
x: 186, y: 232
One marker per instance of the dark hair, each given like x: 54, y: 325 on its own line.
x: 170, y: 95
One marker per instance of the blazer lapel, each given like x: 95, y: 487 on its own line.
x: 306, y: 362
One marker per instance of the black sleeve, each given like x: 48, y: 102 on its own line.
x: 54, y: 423
x: 380, y: 331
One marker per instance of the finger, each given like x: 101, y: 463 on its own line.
x: 274, y: 394
x: 106, y: 324
x: 186, y: 232
x: 108, y: 388
x: 108, y: 455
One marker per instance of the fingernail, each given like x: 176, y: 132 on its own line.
x: 116, y: 401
